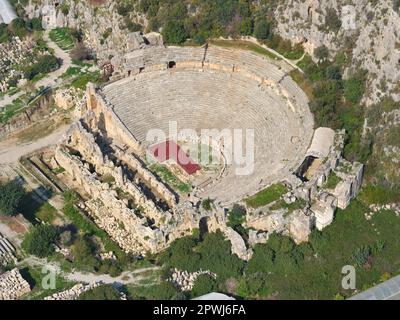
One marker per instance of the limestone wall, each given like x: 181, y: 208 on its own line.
x: 109, y: 121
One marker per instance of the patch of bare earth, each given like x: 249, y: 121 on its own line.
x: 16, y: 224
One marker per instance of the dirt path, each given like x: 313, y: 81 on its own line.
x: 127, y: 277
x: 52, y: 79
x: 11, y: 151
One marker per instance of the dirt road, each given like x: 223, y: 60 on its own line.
x: 11, y: 151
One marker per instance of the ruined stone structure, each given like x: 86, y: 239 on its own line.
x: 215, y: 88
x: 311, y: 184
x: 13, y: 285
x: 12, y: 54
x: 73, y: 293
x: 104, y: 153
x: 7, y: 251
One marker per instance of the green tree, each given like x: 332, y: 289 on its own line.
x: 206, y: 204
x: 4, y: 33
x: 35, y: 24
x: 262, y: 259
x: 354, y: 87
x: 181, y: 255
x: 321, y: 53
x: 253, y: 286
x: 204, y: 284
x: 262, y: 29
x: 45, y: 64
x: 39, y: 241
x: 18, y: 28
x: 82, y: 251
x: 174, y: 32
x: 11, y: 194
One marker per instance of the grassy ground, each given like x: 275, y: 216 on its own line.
x: 31, y: 209
x: 11, y: 110
x: 303, y: 83
x: 281, y: 204
x: 332, y: 182
x: 79, y: 76
x: 35, y: 276
x: 319, y: 276
x: 268, y: 195
x: 62, y: 37
x: 170, y: 179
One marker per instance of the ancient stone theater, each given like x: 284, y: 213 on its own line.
x: 146, y: 192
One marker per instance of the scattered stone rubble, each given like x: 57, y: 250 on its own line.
x: 68, y: 98
x: 13, y: 53
x: 376, y: 208
x: 73, y: 293
x: 108, y: 256
x: 186, y: 280
x: 13, y: 285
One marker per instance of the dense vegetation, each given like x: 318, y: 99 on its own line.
x: 44, y: 64
x: 102, y: 292
x: 336, y: 102
x: 280, y: 269
x: 213, y: 253
x: 11, y: 194
x: 201, y: 20
x: 84, y: 246
x: 39, y: 241
x: 19, y: 28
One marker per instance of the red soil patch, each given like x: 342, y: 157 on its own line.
x: 170, y: 150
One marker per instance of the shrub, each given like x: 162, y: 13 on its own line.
x: 262, y: 259
x: 39, y: 241
x: 102, y: 292
x: 35, y: 24
x: 354, y: 88
x: 83, y: 250
x: 236, y: 215
x: 174, y: 32
x: 204, y: 284
x: 253, y: 286
x: 262, y: 29
x: 181, y: 255
x: 321, y: 53
x: 206, y: 204
x: 45, y: 64
x: 11, y: 195
x: 18, y: 28
x: 361, y: 255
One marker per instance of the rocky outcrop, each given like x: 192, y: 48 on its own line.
x: 186, y: 280
x: 40, y: 111
x: 95, y: 22
x: 368, y: 30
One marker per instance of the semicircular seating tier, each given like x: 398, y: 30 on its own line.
x: 215, y: 88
